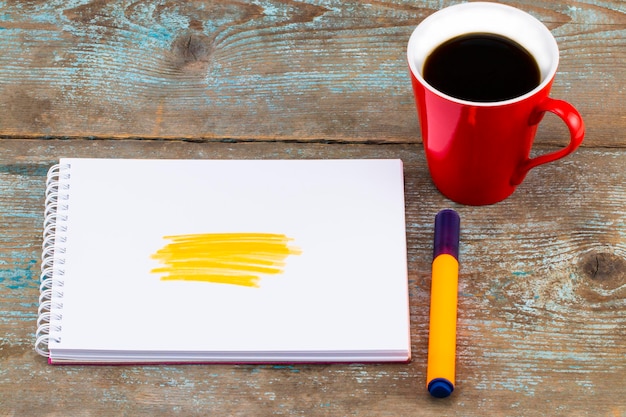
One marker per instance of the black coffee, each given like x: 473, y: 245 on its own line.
x: 482, y: 67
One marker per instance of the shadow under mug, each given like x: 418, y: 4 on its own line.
x: 479, y: 152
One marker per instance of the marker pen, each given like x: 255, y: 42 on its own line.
x: 443, y: 305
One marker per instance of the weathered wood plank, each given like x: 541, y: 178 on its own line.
x: 542, y: 312
x: 264, y: 70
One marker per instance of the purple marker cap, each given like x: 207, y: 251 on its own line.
x: 447, y: 231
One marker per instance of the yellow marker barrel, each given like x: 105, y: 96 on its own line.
x: 440, y: 376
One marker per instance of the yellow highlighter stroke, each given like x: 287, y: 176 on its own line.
x: 224, y: 258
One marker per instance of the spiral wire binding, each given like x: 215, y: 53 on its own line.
x: 52, y: 259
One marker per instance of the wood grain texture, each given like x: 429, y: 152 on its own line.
x: 542, y: 308
x: 324, y: 70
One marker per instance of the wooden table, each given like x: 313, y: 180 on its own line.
x: 542, y: 307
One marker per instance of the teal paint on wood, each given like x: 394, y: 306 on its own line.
x: 19, y: 273
x: 31, y: 170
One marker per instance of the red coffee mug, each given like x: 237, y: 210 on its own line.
x: 478, y: 152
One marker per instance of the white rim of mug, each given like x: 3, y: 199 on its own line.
x: 544, y: 43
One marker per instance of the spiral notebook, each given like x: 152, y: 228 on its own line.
x: 239, y: 261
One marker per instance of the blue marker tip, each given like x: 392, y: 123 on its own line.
x: 440, y: 388
x: 447, y: 226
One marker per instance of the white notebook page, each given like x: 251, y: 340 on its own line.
x: 345, y: 291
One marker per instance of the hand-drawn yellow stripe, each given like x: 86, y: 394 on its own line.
x: 225, y: 258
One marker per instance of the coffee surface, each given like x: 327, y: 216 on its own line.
x: 482, y: 67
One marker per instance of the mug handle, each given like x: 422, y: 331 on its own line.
x: 576, y: 127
